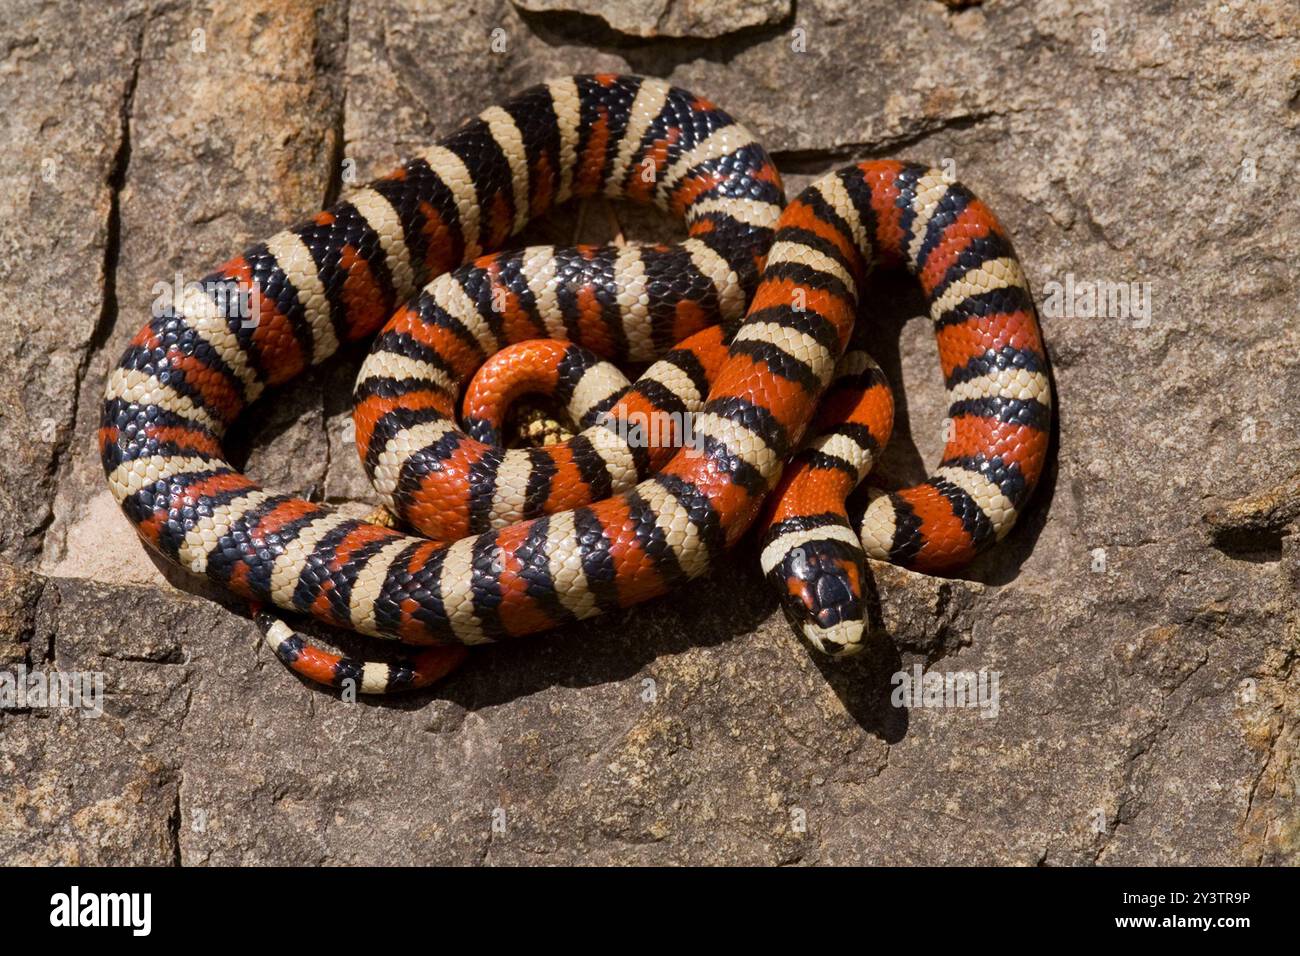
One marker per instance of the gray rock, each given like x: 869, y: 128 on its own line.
x: 1142, y: 619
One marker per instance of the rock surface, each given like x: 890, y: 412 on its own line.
x: 1146, y: 656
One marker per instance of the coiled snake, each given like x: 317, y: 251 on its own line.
x: 747, y: 324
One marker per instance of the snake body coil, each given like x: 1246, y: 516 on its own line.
x: 525, y: 540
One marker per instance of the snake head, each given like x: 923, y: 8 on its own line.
x: 821, y: 592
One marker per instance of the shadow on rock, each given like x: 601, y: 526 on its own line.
x: 706, y: 613
x: 864, y: 685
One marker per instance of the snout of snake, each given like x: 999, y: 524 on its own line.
x: 525, y: 540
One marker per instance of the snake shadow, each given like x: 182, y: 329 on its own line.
x: 709, y: 612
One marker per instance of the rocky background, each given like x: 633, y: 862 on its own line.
x: 1143, y: 618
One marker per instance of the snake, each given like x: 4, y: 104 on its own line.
x: 757, y: 403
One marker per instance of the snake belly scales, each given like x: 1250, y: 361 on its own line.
x: 749, y: 328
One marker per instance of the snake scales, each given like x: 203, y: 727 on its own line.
x: 747, y: 326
